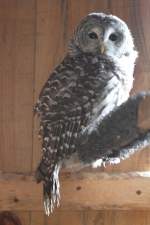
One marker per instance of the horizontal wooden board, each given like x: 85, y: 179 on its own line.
x: 88, y: 217
x: 84, y: 190
x: 94, y: 217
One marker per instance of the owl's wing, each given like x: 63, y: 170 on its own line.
x: 62, y: 117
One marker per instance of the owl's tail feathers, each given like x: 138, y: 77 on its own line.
x: 51, y: 189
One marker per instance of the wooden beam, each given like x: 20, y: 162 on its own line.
x: 144, y: 113
x: 84, y: 190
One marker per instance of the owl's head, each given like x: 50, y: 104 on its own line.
x: 108, y: 35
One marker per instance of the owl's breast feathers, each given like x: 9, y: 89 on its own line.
x: 79, y: 90
x: 74, y: 87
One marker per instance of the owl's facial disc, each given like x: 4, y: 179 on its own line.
x: 98, y: 38
x: 99, y: 33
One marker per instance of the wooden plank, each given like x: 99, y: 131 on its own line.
x: 88, y: 217
x: 49, y: 49
x: 37, y: 218
x: 104, y: 191
x: 127, y: 217
x: 65, y: 217
x: 17, y: 30
x: 95, y: 217
x: 79, y: 191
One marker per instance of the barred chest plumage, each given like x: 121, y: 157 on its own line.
x: 93, y: 82
x: 96, y: 85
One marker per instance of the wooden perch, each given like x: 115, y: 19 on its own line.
x: 92, y: 190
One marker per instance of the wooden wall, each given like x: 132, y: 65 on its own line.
x: 33, y: 39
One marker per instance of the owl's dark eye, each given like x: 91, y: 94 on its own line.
x: 93, y: 35
x: 113, y: 37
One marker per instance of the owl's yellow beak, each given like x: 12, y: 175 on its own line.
x: 102, y: 48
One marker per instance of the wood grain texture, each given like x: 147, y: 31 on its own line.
x: 49, y: 52
x: 17, y: 19
x: 37, y: 218
x: 33, y: 38
x: 89, y: 217
x: 99, y: 218
x: 87, y: 190
x: 144, y: 114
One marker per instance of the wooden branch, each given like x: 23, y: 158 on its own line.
x: 79, y: 191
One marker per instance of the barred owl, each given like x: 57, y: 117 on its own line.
x: 95, y: 76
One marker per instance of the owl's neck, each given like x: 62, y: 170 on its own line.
x: 125, y: 63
